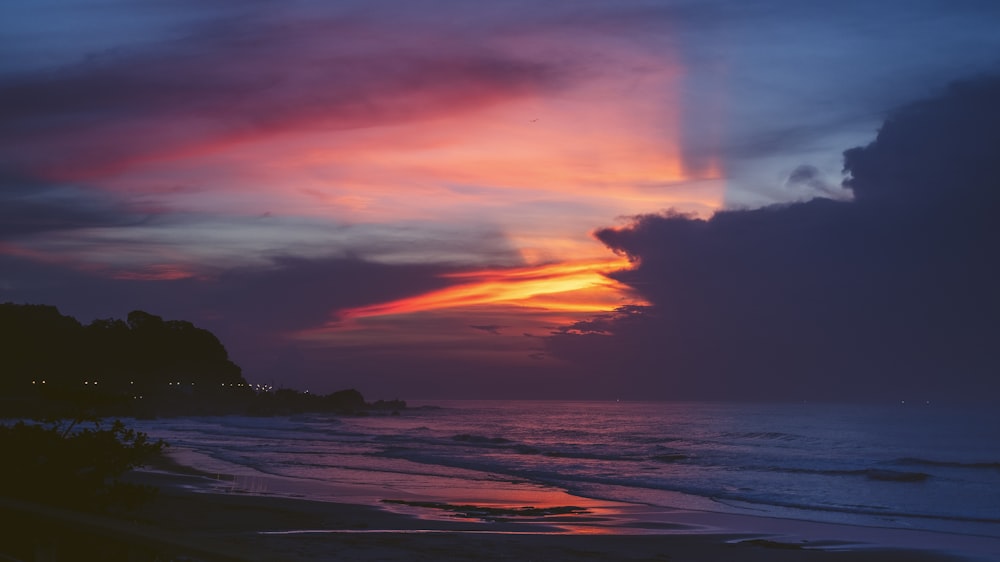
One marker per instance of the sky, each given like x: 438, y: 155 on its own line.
x: 638, y: 199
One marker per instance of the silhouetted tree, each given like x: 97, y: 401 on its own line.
x: 51, y: 365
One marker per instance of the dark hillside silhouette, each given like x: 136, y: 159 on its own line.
x: 54, y: 366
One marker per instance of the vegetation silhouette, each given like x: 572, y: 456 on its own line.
x: 74, y: 464
x: 55, y: 367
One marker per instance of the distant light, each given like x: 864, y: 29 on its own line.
x: 85, y: 382
x: 32, y: 382
x: 43, y: 382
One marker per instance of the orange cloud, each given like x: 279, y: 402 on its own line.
x: 562, y: 287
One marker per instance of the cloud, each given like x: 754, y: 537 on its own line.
x: 887, y: 297
x: 30, y: 206
x: 809, y: 178
x: 941, y: 151
x: 243, y: 79
x: 489, y: 328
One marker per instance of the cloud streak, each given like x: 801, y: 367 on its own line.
x: 105, y: 114
x: 564, y: 287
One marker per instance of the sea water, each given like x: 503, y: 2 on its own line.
x: 904, y: 465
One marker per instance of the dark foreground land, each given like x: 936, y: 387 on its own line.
x: 179, y: 524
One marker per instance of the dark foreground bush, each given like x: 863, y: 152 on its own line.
x: 73, y: 464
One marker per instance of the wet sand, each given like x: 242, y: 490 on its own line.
x: 186, y: 523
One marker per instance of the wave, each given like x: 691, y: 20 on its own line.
x: 728, y: 498
x: 581, y: 482
x: 762, y: 435
x: 581, y: 485
x: 859, y: 509
x: 670, y: 457
x: 881, y: 474
x: 584, y: 455
x: 503, y: 443
x: 469, y: 438
x: 894, y: 475
x: 913, y: 461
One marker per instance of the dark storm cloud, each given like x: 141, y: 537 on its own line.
x: 890, y: 296
x: 943, y: 151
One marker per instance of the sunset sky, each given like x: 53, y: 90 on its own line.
x: 449, y: 199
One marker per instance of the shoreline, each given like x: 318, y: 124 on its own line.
x: 277, y: 526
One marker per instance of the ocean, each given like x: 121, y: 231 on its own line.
x: 904, y: 465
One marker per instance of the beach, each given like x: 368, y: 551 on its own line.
x: 647, y: 481
x: 187, y: 521
x: 552, y: 481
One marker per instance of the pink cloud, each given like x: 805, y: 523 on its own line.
x: 103, y: 116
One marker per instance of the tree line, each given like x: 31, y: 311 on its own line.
x: 52, y: 365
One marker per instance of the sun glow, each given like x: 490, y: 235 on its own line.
x: 563, y: 287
